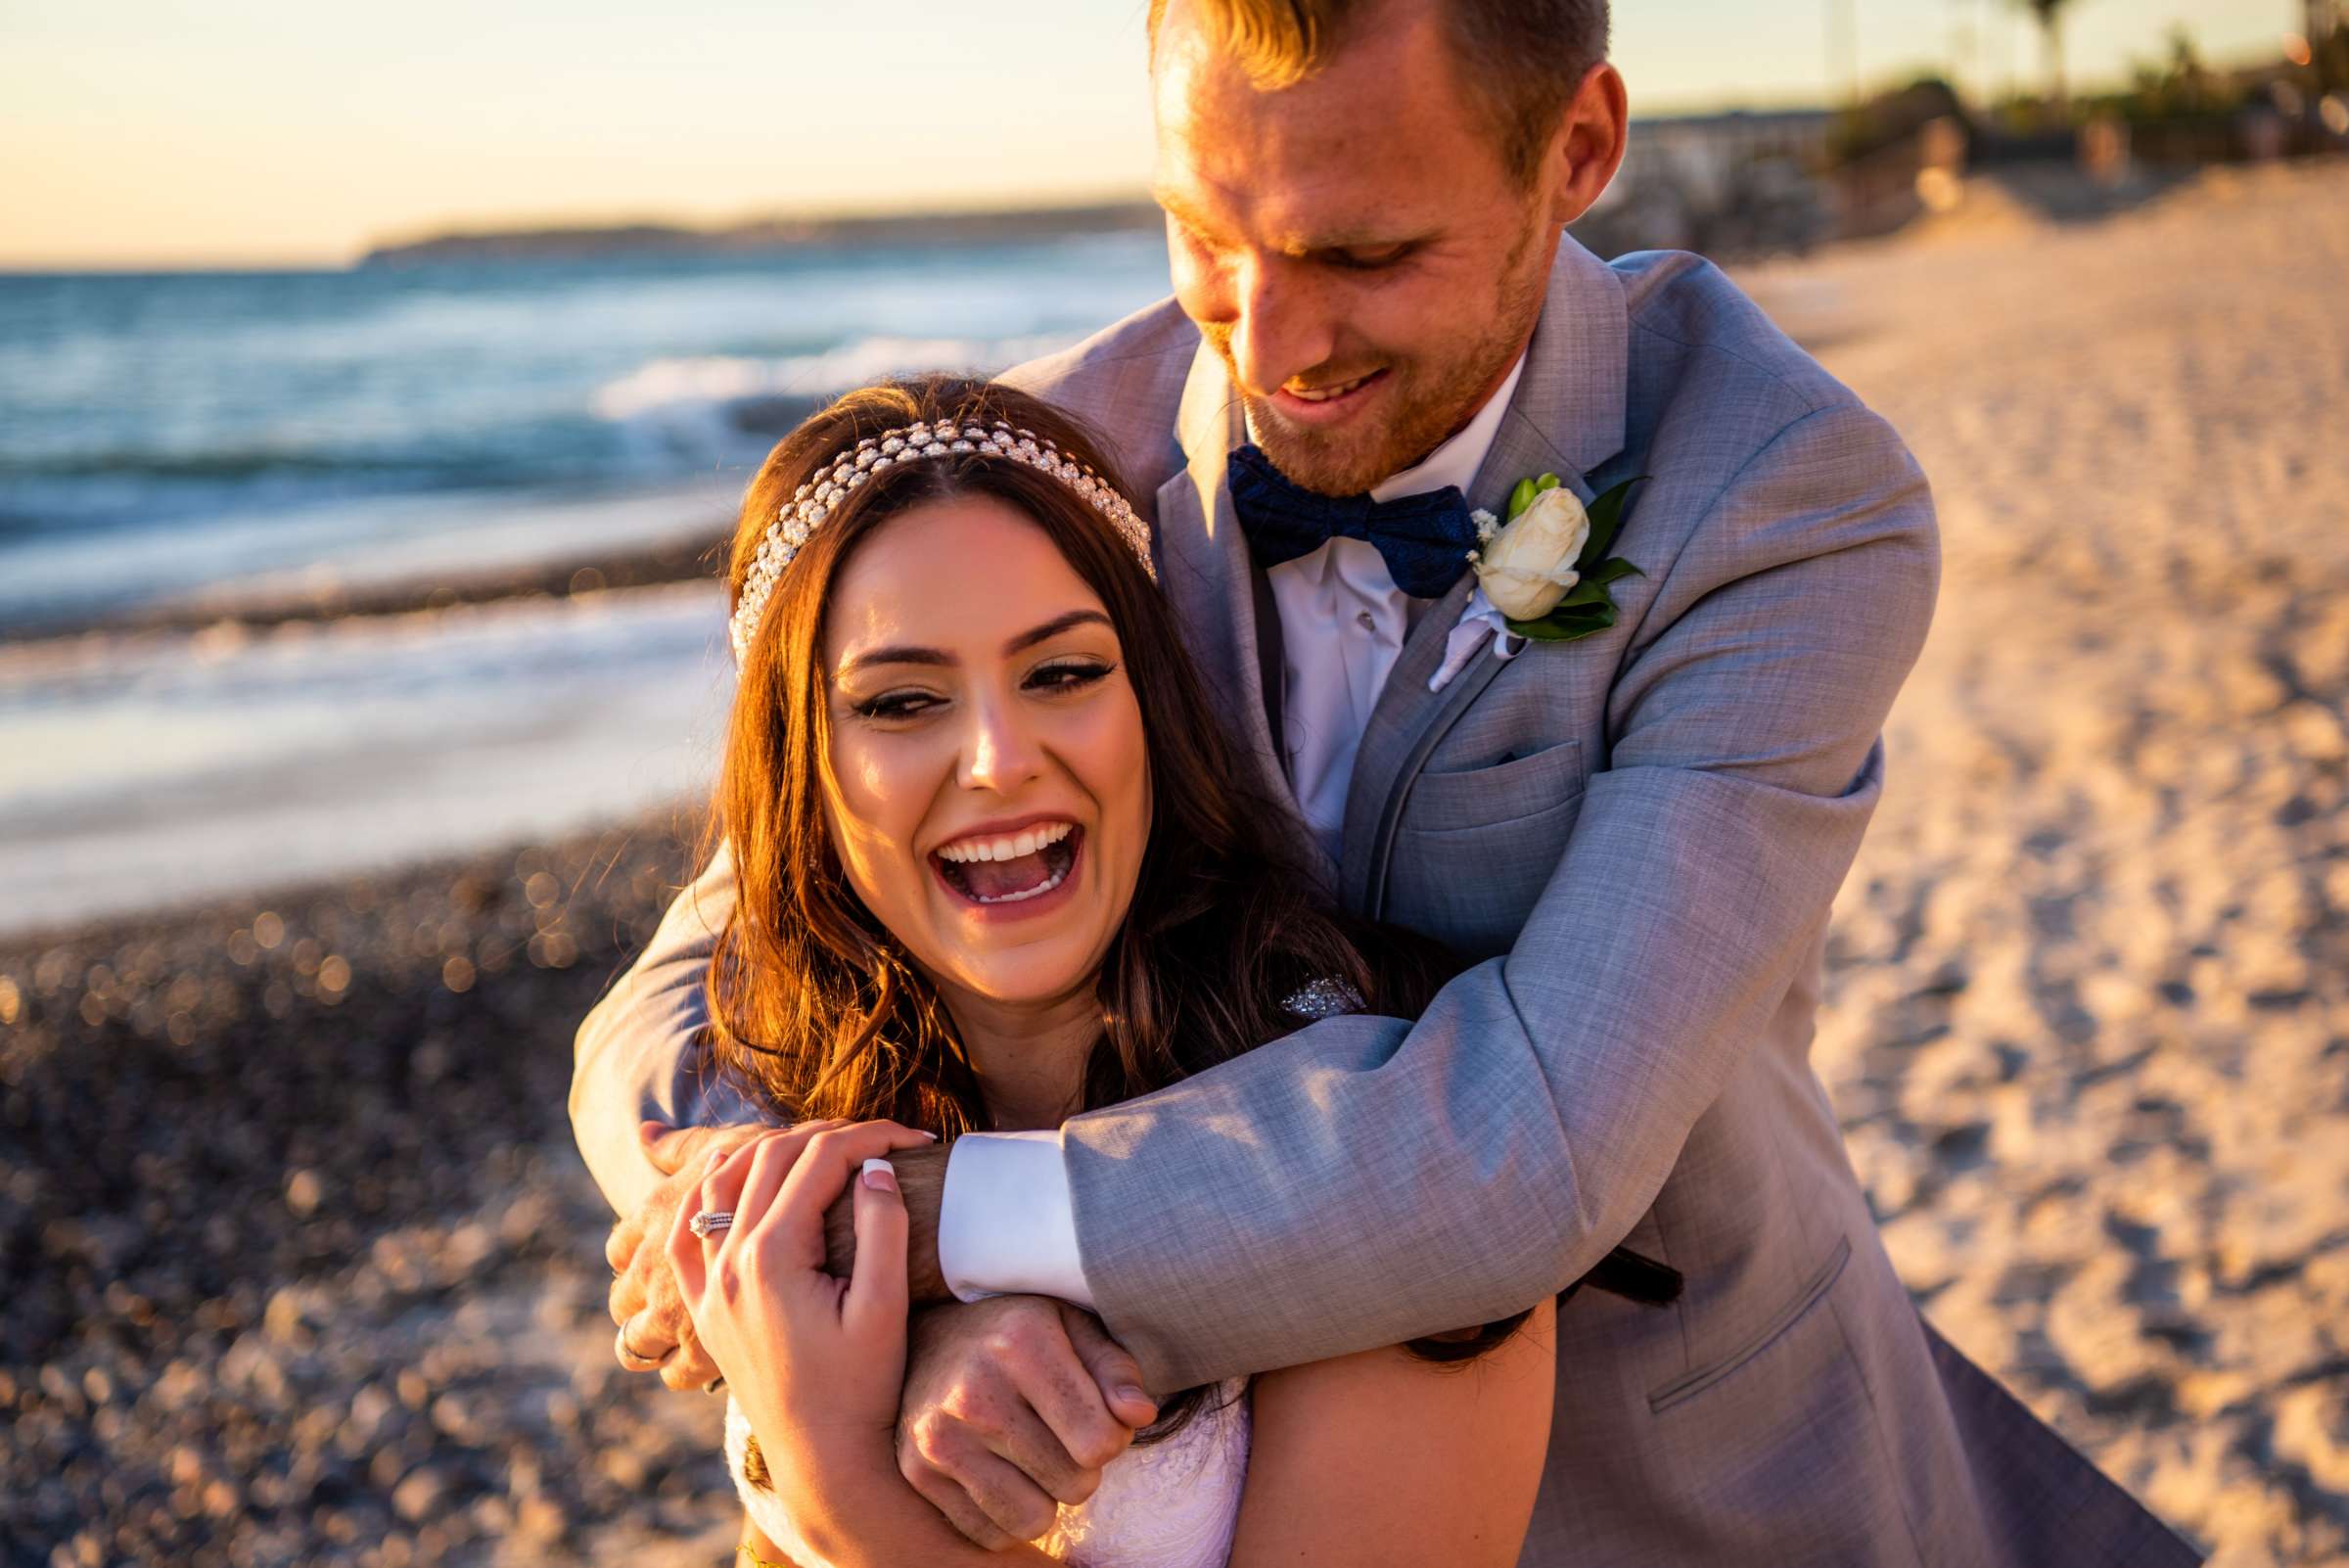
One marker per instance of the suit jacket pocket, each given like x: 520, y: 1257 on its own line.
x: 1813, y: 1291
x: 1476, y: 848
x: 1486, y: 797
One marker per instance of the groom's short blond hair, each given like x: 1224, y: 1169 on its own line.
x: 1524, y: 59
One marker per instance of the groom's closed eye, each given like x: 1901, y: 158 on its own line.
x: 1352, y: 249
x: 1370, y: 259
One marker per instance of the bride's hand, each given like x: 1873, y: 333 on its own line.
x: 814, y: 1361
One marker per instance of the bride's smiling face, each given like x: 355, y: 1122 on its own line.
x: 989, y: 790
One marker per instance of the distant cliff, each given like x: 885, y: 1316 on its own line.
x: 764, y: 234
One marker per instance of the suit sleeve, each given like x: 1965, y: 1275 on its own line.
x: 1367, y: 1180
x: 639, y: 1053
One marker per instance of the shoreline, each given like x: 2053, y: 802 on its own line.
x: 558, y: 576
x: 163, y: 769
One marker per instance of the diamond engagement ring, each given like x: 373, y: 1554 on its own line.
x: 710, y: 1222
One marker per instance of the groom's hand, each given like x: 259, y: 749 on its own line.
x: 1012, y: 1405
x: 921, y: 1186
x: 654, y: 1329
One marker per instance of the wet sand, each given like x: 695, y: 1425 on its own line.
x: 301, y: 1263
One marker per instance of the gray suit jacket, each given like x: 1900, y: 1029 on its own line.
x: 1637, y: 837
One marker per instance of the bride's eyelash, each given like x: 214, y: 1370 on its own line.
x: 894, y: 705
x: 1071, y: 673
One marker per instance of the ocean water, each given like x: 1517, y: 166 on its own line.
x: 164, y: 770
x: 200, y: 442
x: 162, y: 433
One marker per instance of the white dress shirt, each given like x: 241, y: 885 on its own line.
x: 1342, y: 625
x: 1006, y: 1221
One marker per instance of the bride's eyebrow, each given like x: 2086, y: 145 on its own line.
x: 893, y: 655
x: 1054, y: 628
x: 904, y: 654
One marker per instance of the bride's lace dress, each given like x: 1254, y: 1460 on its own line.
x: 1171, y: 1504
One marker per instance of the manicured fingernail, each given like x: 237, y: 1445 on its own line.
x: 710, y: 1167
x: 880, y: 1176
x: 931, y: 1136
x: 1128, y: 1392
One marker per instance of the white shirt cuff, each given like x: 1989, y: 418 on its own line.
x: 1005, y: 1225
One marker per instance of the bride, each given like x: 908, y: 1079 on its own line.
x: 994, y: 870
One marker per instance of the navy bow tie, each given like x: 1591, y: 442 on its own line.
x: 1424, y: 540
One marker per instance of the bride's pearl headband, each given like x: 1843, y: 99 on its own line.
x: 813, y: 501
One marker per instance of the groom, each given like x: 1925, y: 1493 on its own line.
x: 1636, y: 835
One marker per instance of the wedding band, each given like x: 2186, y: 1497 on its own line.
x: 710, y: 1222
x: 634, y: 1359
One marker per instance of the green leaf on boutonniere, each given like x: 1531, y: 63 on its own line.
x: 1614, y: 571
x: 1584, y: 594
x: 1520, y: 498
x: 1567, y: 625
x: 1605, y: 512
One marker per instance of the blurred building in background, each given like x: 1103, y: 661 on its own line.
x: 1736, y: 183
x: 1749, y: 183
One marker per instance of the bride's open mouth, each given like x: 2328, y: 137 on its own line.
x: 1008, y: 871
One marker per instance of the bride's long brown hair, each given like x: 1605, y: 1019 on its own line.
x: 816, y: 1007
x: 817, y: 1010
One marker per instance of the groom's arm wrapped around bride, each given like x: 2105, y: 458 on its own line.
x: 1642, y: 837
x: 1634, y: 840
x: 1640, y: 834
x: 1651, y: 877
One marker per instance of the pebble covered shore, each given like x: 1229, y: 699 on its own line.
x: 301, y: 1265
x: 302, y: 1262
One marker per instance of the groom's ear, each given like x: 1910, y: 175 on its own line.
x: 1587, y: 148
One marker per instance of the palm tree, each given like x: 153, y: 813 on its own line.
x: 2050, y: 15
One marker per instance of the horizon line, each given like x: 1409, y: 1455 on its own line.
x: 351, y: 257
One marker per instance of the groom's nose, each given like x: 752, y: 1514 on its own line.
x: 1281, y: 326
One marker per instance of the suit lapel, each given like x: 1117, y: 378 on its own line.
x: 1407, y: 721
x: 1213, y: 582
x: 1566, y: 418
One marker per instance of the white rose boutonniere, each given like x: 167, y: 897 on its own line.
x: 1526, y: 568
x: 1546, y: 568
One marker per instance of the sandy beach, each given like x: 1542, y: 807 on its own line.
x: 2088, y: 1016
x: 301, y: 1263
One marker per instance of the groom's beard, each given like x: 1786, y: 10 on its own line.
x: 1425, y: 403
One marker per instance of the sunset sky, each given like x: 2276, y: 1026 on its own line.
x: 162, y: 132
